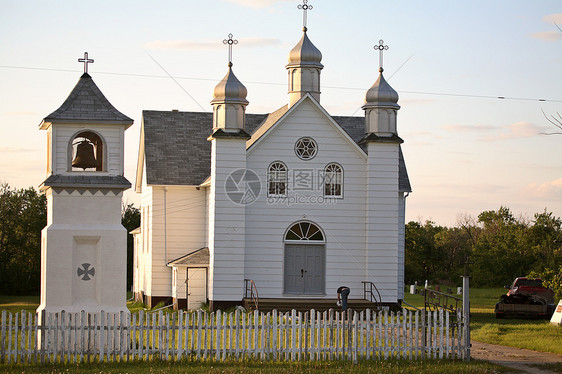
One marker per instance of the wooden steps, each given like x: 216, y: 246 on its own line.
x: 286, y: 305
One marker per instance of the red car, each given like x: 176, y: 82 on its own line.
x: 530, y: 286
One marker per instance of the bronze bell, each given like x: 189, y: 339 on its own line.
x: 85, y: 158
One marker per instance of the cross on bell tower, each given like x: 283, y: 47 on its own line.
x: 86, y: 61
x: 381, y: 48
x: 305, y: 7
x: 230, y: 42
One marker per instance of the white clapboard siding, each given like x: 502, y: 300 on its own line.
x: 179, y: 224
x: 343, y: 222
x: 104, y: 337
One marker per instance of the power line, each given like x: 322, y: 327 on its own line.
x: 449, y: 94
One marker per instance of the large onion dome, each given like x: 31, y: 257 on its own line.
x: 305, y: 53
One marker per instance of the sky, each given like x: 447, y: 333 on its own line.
x: 474, y: 78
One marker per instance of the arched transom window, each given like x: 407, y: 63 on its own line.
x: 305, y: 231
x: 277, y: 179
x: 333, y: 180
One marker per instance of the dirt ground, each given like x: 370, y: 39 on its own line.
x: 515, y: 358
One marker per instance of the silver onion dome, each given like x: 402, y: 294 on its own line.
x: 381, y: 92
x: 305, y: 53
x: 230, y: 89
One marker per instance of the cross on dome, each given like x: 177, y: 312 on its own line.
x: 305, y: 7
x: 230, y: 42
x: 86, y: 61
x: 381, y: 48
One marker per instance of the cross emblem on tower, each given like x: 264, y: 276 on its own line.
x: 305, y: 7
x: 86, y: 61
x: 230, y: 42
x: 85, y: 272
x: 381, y: 48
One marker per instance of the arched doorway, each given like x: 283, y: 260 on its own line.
x: 305, y: 260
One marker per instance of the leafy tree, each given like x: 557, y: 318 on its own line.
x: 500, y: 254
x: 455, y: 244
x: 544, y: 241
x: 423, y: 256
x: 23, y: 214
x: 130, y: 219
x: 551, y: 279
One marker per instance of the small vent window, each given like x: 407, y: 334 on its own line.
x: 306, y: 148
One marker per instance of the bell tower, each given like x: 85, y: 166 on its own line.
x: 83, y: 246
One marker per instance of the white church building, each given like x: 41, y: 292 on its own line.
x: 295, y: 202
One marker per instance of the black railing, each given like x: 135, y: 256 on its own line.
x: 251, y: 293
x: 369, y: 295
x: 436, y: 300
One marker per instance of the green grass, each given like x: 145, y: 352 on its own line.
x: 14, y: 304
x: 255, y: 366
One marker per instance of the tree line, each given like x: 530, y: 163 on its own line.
x: 498, y: 246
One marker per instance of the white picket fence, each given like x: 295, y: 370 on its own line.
x: 82, y: 337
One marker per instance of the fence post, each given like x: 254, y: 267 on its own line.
x: 424, y: 334
x: 466, y: 312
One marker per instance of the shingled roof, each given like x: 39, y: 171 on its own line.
x: 87, y: 104
x: 86, y: 181
x: 177, y: 152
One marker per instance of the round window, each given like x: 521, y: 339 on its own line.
x: 306, y: 148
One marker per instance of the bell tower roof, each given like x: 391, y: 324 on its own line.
x: 87, y: 104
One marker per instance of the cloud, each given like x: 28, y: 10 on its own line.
x: 256, y: 3
x: 556, y: 21
x: 551, y: 189
x: 209, y: 45
x: 553, y: 18
x: 548, y: 36
x: 416, y: 101
x: 516, y: 130
x: 490, y: 133
x: 15, y: 149
x: 22, y: 113
x: 469, y: 128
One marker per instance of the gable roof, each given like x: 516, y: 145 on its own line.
x: 87, y: 104
x: 176, y: 151
x: 281, y: 114
x: 199, y: 257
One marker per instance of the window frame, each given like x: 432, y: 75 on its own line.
x: 338, y: 176
x: 277, y: 179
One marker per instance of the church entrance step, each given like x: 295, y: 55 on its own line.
x: 286, y: 305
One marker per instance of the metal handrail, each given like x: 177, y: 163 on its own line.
x: 251, y: 292
x: 435, y: 299
x: 410, y: 305
x: 369, y: 292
